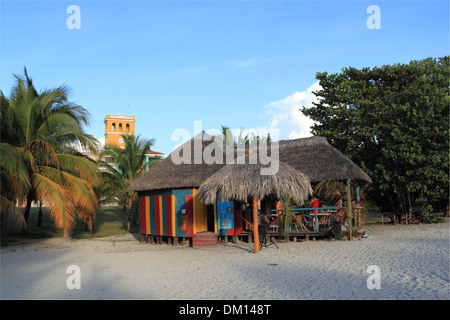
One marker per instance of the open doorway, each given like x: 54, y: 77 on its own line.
x: 210, y: 216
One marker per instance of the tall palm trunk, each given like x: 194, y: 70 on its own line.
x: 4, y: 234
x: 27, y: 208
x: 39, y: 222
x: 130, y: 212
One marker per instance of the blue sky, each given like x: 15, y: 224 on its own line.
x: 243, y: 64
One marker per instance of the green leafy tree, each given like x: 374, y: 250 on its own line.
x: 393, y: 122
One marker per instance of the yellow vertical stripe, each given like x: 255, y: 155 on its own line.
x: 147, y: 214
x: 215, y: 218
x: 200, y: 214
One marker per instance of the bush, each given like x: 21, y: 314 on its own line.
x: 425, y: 215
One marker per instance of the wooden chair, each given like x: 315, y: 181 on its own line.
x: 323, y: 221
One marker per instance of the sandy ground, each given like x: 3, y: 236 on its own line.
x: 413, y: 263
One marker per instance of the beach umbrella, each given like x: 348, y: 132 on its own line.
x: 243, y: 181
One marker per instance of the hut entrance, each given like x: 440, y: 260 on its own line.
x: 210, y: 217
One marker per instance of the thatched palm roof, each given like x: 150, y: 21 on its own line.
x: 319, y: 160
x: 313, y: 156
x: 243, y: 181
x: 169, y: 175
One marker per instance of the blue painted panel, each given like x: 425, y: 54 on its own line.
x: 180, y: 210
x: 152, y: 215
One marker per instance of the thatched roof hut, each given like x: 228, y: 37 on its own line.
x: 169, y: 175
x: 312, y: 156
x: 319, y: 160
x: 243, y: 181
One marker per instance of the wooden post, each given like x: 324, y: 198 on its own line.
x: 287, y: 221
x: 349, y: 209
x: 317, y: 220
x: 358, y: 211
x: 255, y: 225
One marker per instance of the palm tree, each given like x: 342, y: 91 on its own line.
x: 14, y: 179
x: 129, y: 164
x: 36, y: 129
x: 229, y: 139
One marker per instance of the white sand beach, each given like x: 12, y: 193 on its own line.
x: 413, y: 261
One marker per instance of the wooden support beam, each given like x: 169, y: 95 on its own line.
x: 255, y: 224
x: 349, y: 209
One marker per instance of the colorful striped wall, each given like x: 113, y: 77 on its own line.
x: 175, y: 213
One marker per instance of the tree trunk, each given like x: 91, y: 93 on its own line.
x: 4, y: 234
x: 400, y: 203
x: 39, y: 221
x: 410, y: 216
x: 27, y: 209
x: 391, y: 203
x: 130, y: 213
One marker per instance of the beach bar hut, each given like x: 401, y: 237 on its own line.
x: 169, y: 206
x: 320, y: 161
x: 172, y: 206
x: 244, y: 182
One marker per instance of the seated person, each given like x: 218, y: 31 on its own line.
x: 341, y: 213
x: 314, y: 202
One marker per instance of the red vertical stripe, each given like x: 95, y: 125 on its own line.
x: 169, y: 215
x: 143, y: 222
x: 238, y: 225
x: 189, y: 215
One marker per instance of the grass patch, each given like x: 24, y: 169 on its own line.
x: 109, y: 221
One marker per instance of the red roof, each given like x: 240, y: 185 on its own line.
x: 153, y: 152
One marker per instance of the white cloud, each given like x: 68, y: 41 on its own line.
x: 286, y: 117
x: 194, y: 69
x: 101, y: 141
x: 247, y: 62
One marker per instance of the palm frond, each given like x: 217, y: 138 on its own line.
x: 43, y: 152
x: 60, y: 207
x: 82, y: 195
x: 81, y: 167
x: 57, y: 123
x: 7, y: 207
